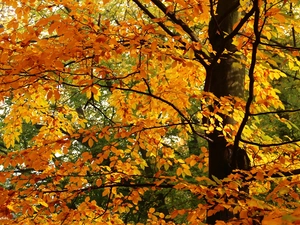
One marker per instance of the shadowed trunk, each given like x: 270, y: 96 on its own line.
x: 225, y: 77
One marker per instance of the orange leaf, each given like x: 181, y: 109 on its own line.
x: 179, y: 171
x: 91, y: 142
x: 151, y: 210
x: 56, y: 95
x: 244, y: 214
x: 99, y: 182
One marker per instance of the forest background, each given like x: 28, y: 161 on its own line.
x: 149, y: 112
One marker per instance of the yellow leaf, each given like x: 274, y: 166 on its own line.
x: 268, y: 35
x: 96, y: 97
x: 187, y: 172
x: 40, y: 201
x: 216, y: 179
x: 166, y: 166
x: 34, y: 208
x: 161, y: 215
x: 88, y: 93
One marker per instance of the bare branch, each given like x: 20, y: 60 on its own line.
x: 269, y: 145
x: 275, y: 112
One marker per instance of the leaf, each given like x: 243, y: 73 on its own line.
x: 187, y: 172
x: 260, y: 176
x: 244, y: 214
x: 99, y: 182
x: 106, y: 191
x: 56, y: 94
x: 268, y: 35
x: 151, y: 210
x: 156, y: 86
x: 86, y: 156
x: 85, y: 139
x: 43, y: 203
x: 193, y: 162
x: 179, y: 171
x: 90, y: 142
x: 290, y: 218
x: 216, y: 180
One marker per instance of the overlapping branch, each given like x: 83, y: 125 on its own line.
x: 200, y: 55
x: 255, y: 45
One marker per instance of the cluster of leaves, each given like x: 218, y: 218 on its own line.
x: 102, y: 105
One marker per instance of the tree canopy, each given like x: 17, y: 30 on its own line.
x: 149, y: 112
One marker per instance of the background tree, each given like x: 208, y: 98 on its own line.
x: 149, y: 112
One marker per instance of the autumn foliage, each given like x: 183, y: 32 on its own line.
x: 106, y: 112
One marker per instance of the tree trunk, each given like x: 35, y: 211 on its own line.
x: 225, y: 77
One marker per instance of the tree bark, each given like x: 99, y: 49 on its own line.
x: 225, y: 77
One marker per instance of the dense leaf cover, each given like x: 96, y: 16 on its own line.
x: 105, y: 115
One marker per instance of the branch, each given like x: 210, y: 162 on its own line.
x: 161, y: 24
x: 166, y: 102
x: 125, y: 185
x: 179, y: 22
x: 286, y: 173
x: 251, y: 76
x: 172, y: 16
x: 279, y: 174
x: 154, y: 96
x: 275, y: 112
x: 148, y: 86
x: 107, y: 204
x: 269, y: 145
x: 278, y: 45
x: 3, y: 151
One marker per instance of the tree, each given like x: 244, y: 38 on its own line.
x: 149, y: 112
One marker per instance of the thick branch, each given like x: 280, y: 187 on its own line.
x: 161, y: 24
x: 172, y: 16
